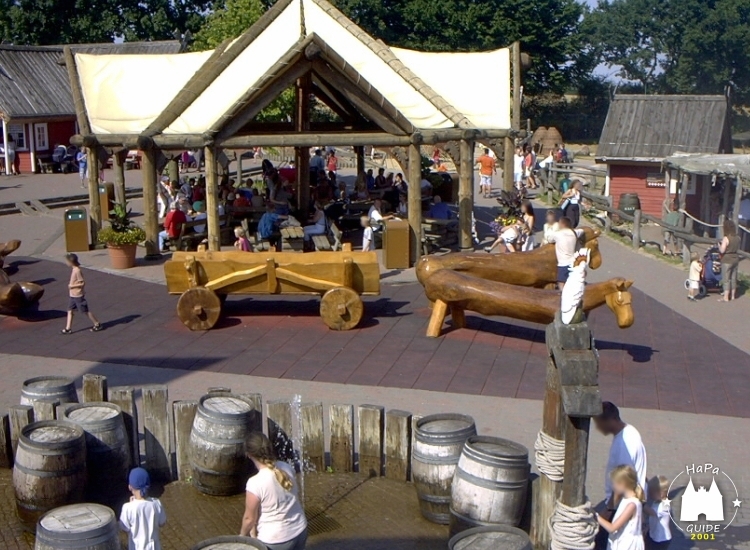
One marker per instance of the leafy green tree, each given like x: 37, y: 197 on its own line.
x: 229, y: 21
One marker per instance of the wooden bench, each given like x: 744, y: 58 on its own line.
x: 45, y: 165
x: 188, y: 239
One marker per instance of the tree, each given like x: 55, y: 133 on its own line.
x: 45, y: 22
x: 229, y: 21
x: 547, y: 30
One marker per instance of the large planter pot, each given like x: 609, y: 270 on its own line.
x: 122, y: 256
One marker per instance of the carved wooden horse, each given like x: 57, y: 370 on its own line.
x: 459, y: 292
x: 7, y: 248
x: 536, y: 268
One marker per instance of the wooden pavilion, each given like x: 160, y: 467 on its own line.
x: 383, y: 96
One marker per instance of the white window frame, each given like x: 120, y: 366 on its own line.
x: 39, y: 145
x: 19, y: 130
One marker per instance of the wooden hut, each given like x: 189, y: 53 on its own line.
x: 36, y: 104
x: 382, y: 97
x: 642, y: 130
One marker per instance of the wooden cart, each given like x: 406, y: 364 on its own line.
x: 204, y: 279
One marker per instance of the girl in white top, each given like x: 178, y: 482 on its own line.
x: 528, y: 218
x: 273, y: 513
x: 625, y: 528
x: 657, y: 511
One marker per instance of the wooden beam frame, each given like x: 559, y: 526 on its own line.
x: 75, y: 86
x: 262, y: 100
x: 334, y: 101
x: 376, y: 112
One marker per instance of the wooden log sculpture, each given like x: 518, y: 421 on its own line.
x: 7, y: 248
x: 461, y: 291
x: 537, y: 268
x: 16, y: 296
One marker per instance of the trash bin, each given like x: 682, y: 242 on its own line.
x: 106, y: 198
x: 76, y: 225
x: 396, y: 244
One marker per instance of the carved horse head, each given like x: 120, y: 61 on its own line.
x: 620, y: 301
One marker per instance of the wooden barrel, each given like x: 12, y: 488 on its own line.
x: 490, y: 484
x: 107, y: 449
x: 437, y: 445
x: 217, y: 444
x: 499, y: 537
x: 629, y: 203
x: 50, y: 469
x: 230, y: 543
x: 84, y: 526
x: 49, y: 388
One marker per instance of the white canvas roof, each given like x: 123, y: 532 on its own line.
x: 124, y: 94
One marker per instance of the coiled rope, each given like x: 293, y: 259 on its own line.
x: 573, y: 527
x: 550, y: 456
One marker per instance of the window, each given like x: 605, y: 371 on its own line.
x: 19, y: 135
x: 40, y: 134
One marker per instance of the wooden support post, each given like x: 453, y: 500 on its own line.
x: 302, y: 124
x: 94, y: 388
x: 118, y: 163
x: 184, y: 414
x: 95, y: 207
x: 637, y: 229
x: 576, y: 460
x: 156, y: 428
x: 150, y: 213
x: 173, y: 170
x: 6, y: 450
x: 279, y: 415
x: 545, y: 492
x: 212, y: 199
x: 608, y: 218
x: 510, y: 151
x: 370, y: 440
x: 737, y: 202
x: 458, y: 316
x: 465, y: 193
x: 342, y: 438
x: 397, y: 445
x: 20, y: 417
x: 439, y: 311
x: 256, y: 419
x: 238, y: 175
x: 414, y: 192
x: 124, y: 397
x: 359, y: 152
x: 313, y: 442
x: 515, y: 52
x: 45, y: 410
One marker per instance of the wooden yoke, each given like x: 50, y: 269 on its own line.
x: 571, y: 399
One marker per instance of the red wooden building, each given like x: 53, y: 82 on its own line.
x: 36, y: 106
x: 642, y: 130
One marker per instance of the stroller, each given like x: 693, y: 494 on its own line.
x: 64, y: 159
x: 711, y: 272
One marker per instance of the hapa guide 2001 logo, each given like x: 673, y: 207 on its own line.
x: 709, y: 503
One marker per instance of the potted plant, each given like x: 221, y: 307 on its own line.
x: 121, y: 237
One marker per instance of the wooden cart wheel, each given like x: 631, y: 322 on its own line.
x: 199, y: 308
x: 341, y: 308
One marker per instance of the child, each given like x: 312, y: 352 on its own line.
x: 241, y: 243
x: 77, y: 295
x: 694, y: 277
x: 508, y: 236
x: 657, y: 511
x: 625, y: 528
x: 142, y: 516
x: 367, y: 244
x: 550, y: 225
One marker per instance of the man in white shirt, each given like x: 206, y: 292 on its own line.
x: 518, y: 168
x: 317, y: 162
x: 566, y: 245
x: 627, y: 448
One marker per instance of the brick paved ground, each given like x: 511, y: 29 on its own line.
x: 344, y: 512
x: 650, y: 365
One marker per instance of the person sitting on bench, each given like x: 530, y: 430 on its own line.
x: 268, y: 226
x: 172, y: 225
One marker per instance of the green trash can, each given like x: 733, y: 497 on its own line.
x: 76, y: 225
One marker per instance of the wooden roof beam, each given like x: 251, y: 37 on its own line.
x: 75, y: 86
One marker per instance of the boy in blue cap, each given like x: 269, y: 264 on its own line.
x: 142, y: 516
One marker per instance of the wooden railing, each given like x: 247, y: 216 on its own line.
x: 638, y: 217
x: 367, y: 438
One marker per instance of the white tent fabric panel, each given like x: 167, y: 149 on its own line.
x: 413, y: 105
x: 476, y: 84
x: 241, y: 75
x: 125, y: 93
